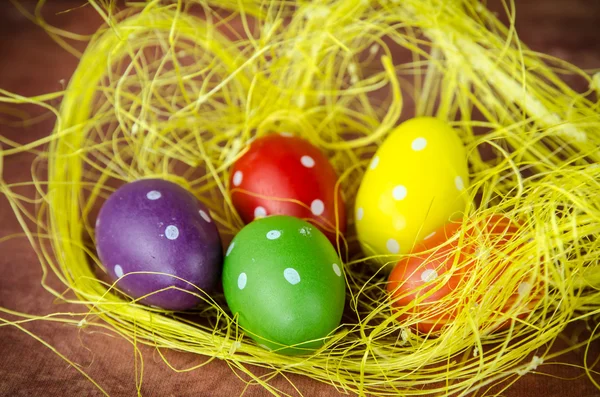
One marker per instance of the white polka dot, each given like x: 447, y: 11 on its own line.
x: 171, y: 232
x: 97, y: 222
x: 399, y: 222
x: 375, y: 162
x: 286, y: 134
x: 392, y: 246
x: 204, y: 216
x: 337, y: 270
x: 307, y: 161
x: 242, y: 279
x: 428, y: 275
x: 260, y: 212
x: 399, y: 192
x: 419, y: 144
x: 524, y: 288
x: 317, y: 207
x: 153, y: 195
x: 360, y: 212
x: 230, y: 248
x: 460, y: 184
x: 118, y: 270
x: 430, y: 235
x: 237, y: 178
x: 305, y: 231
x: 274, y: 234
x: 291, y: 275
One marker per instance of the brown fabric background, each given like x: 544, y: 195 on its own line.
x: 31, y: 63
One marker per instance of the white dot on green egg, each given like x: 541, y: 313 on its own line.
x: 374, y: 162
x: 524, y: 288
x: 242, y: 280
x: 317, y: 207
x: 204, y: 216
x: 418, y: 144
x: 307, y: 161
x: 118, y: 271
x: 172, y: 232
x: 337, y: 270
x: 291, y: 275
x: 460, y: 184
x: 260, y: 212
x: 430, y: 235
x: 399, y: 192
x: 237, y: 178
x: 153, y: 195
x: 360, y: 213
x: 428, y: 275
x: 274, y: 234
x: 392, y: 246
x: 230, y: 248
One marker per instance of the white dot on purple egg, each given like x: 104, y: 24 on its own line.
x: 205, y: 216
x: 118, y: 271
x: 153, y: 195
x: 172, y: 232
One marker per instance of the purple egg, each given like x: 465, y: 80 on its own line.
x: 158, y: 226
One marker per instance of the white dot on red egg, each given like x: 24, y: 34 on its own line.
x: 428, y: 275
x: 204, y: 216
x: 524, y: 289
x: 399, y: 192
x: 430, y: 235
x: 317, y: 207
x: 230, y: 248
x: 307, y: 161
x: 418, y: 144
x: 172, y: 232
x: 274, y: 234
x: 374, y: 162
x: 392, y: 246
x: 153, y: 195
x: 242, y: 280
x: 118, y: 271
x: 460, y: 184
x: 336, y: 269
x: 291, y: 275
x: 360, y: 213
x: 260, y: 212
x: 237, y: 178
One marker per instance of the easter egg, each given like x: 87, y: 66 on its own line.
x: 286, y: 175
x: 153, y: 225
x: 414, y: 185
x: 284, y: 281
x: 425, y: 286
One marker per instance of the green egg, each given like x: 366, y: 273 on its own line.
x: 284, y: 280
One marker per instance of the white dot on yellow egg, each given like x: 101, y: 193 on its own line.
x: 392, y: 246
x: 460, y: 184
x: 360, y: 213
x: 375, y: 162
x: 419, y: 144
x: 399, y: 192
x: 428, y: 275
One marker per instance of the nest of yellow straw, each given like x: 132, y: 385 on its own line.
x: 177, y: 91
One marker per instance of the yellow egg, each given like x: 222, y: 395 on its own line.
x: 414, y: 184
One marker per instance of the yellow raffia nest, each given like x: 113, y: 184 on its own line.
x: 164, y: 92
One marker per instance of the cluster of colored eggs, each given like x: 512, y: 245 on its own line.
x: 281, y: 275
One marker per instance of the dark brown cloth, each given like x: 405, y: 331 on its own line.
x: 31, y: 63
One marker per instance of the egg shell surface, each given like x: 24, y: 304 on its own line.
x: 158, y: 226
x: 287, y: 175
x: 414, y: 184
x: 285, y: 281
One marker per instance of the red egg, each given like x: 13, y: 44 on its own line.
x: 424, y: 281
x: 286, y: 175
